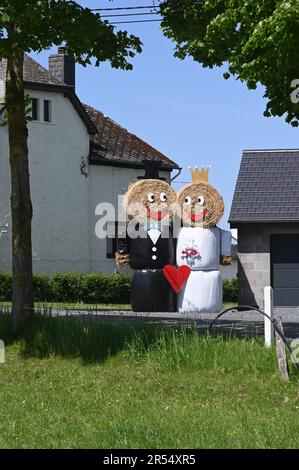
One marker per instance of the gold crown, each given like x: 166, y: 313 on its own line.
x: 202, y: 175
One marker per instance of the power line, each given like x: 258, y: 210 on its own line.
x: 125, y: 8
x: 129, y: 14
x: 137, y: 21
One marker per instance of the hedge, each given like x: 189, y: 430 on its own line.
x: 230, y: 290
x: 89, y: 288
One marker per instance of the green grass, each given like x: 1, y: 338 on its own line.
x: 79, y: 384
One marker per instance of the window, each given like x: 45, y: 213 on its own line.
x: 35, y: 109
x: 111, y: 247
x: 47, y: 111
x: 116, y: 239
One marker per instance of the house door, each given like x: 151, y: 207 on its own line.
x: 285, y: 270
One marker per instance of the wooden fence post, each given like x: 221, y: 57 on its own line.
x: 281, y: 353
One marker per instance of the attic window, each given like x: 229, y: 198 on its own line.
x: 47, y: 111
x: 35, y: 109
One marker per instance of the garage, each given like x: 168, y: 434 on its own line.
x: 285, y: 269
x: 265, y: 215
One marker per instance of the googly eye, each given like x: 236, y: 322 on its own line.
x: 151, y: 197
x: 163, y: 197
x: 201, y: 200
x: 187, y: 200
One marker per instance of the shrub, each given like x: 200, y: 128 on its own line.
x: 5, y: 287
x: 92, y: 288
x: 42, y: 288
x: 230, y: 290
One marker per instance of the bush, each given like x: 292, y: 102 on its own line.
x: 91, y: 288
x: 5, y: 287
x: 68, y: 287
x: 230, y: 290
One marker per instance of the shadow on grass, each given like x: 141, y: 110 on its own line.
x: 84, y: 337
x: 93, y: 341
x: 89, y: 337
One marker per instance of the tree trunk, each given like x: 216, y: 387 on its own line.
x: 21, y: 207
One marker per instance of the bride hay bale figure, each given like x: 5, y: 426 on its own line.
x: 149, y: 204
x: 201, y: 244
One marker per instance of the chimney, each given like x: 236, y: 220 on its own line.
x: 62, y: 67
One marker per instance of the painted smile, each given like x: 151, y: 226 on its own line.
x: 197, y: 217
x: 156, y: 215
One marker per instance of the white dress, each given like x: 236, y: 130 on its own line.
x: 200, y: 249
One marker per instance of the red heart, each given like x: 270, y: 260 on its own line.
x: 176, y: 277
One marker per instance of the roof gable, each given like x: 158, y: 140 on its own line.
x: 267, y: 188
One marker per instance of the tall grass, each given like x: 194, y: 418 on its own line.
x: 171, y: 348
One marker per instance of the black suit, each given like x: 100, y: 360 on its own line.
x: 149, y: 253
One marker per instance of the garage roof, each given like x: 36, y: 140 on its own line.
x: 267, y: 188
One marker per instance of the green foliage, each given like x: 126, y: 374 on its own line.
x: 256, y: 38
x: 28, y: 111
x: 87, y: 288
x: 230, y: 290
x: 91, y: 288
x: 5, y: 287
x: 37, y: 25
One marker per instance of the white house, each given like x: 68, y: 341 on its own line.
x: 78, y: 158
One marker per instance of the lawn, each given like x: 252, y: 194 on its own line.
x: 79, y: 384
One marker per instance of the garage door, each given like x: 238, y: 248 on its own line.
x: 285, y: 270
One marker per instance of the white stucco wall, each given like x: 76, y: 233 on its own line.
x: 64, y: 200
x: 59, y: 191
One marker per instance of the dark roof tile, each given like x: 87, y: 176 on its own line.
x: 267, y: 187
x: 113, y: 144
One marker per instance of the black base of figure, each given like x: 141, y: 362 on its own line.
x: 151, y: 292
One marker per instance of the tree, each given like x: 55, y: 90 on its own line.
x: 256, y: 38
x: 33, y: 25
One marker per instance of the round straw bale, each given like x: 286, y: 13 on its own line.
x: 202, y: 200
x: 149, y: 196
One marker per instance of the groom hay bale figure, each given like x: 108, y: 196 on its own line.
x: 201, y: 244
x: 149, y: 205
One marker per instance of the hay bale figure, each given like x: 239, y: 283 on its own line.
x: 201, y: 244
x: 149, y: 205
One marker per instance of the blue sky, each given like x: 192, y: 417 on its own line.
x: 191, y: 114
